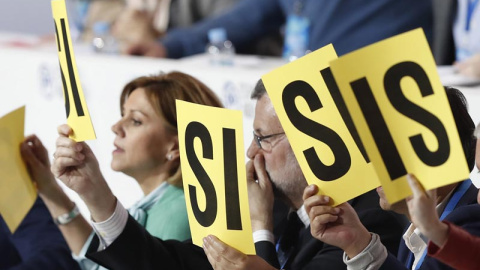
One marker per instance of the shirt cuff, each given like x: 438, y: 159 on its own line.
x: 82, y: 255
x: 263, y: 235
x: 110, y: 229
x: 85, y: 264
x: 372, y: 257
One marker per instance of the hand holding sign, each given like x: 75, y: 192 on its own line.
x: 17, y: 193
x: 75, y: 105
x: 223, y: 257
x: 77, y: 167
x: 213, y: 169
x: 338, y: 226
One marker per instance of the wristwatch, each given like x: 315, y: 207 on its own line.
x: 68, y: 217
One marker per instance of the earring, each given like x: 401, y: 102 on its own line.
x: 169, y: 157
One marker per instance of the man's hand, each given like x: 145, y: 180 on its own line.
x: 224, y: 257
x: 134, y: 26
x: 338, y: 226
x: 260, y: 195
x: 35, y: 156
x: 422, y: 209
x: 150, y: 49
x: 470, y: 67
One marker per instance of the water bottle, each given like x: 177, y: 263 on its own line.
x: 297, y: 34
x: 103, y: 41
x: 219, y: 48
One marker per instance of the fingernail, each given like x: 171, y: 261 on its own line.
x: 81, y: 156
x: 311, y: 187
x: 336, y: 210
x: 326, y: 199
x: 78, y: 147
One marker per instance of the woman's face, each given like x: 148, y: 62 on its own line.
x: 142, y: 141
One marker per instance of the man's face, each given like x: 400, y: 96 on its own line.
x: 280, y: 162
x: 399, y: 207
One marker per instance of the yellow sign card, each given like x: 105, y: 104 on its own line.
x: 319, y: 128
x: 214, y: 174
x: 17, y: 192
x: 78, y: 117
x: 402, y: 113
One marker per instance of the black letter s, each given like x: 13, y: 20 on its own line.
x: 394, y: 92
x: 316, y: 130
x: 193, y: 130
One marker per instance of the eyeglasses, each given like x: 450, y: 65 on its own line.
x: 265, y: 145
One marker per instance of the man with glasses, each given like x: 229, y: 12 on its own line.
x: 290, y: 245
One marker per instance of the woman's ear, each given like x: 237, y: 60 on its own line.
x: 173, y: 153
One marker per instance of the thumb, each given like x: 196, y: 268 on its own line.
x: 28, y: 156
x: 416, y: 187
x: 310, y: 191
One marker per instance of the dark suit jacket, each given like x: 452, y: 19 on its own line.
x: 466, y: 215
x: 36, y: 244
x: 312, y: 254
x: 137, y: 249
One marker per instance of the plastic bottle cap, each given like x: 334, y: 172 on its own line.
x: 216, y: 35
x: 101, y: 28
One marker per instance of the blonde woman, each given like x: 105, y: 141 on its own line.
x: 146, y: 148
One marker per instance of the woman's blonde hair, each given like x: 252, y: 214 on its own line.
x: 162, y: 90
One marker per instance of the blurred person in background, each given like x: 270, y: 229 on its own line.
x: 456, y: 39
x: 308, y: 25
x: 134, y: 21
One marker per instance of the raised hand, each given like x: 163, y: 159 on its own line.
x: 338, y: 226
x: 35, y: 156
x: 224, y: 257
x: 423, y: 214
x: 76, y: 166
